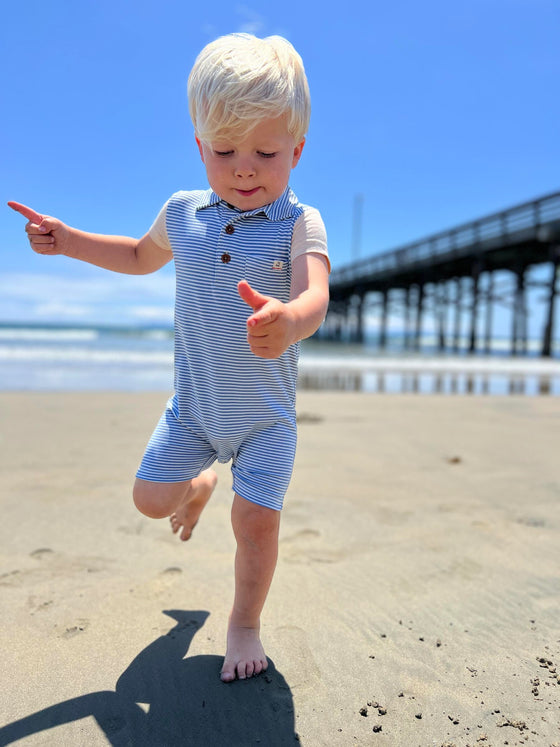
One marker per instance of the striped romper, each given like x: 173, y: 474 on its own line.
x: 228, y: 404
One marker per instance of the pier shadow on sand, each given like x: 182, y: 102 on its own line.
x: 163, y: 699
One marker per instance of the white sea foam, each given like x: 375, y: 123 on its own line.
x: 136, y: 359
x: 32, y: 334
x: 77, y: 355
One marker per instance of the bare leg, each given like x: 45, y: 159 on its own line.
x: 183, y: 502
x: 256, y: 531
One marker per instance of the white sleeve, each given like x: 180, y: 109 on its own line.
x: 158, y: 230
x: 310, y: 235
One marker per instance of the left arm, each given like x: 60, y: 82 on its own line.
x: 274, y: 325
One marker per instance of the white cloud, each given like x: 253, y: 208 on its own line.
x: 110, y: 299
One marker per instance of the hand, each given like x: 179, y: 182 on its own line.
x: 270, y: 329
x: 46, y: 235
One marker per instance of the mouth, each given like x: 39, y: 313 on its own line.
x: 247, y: 192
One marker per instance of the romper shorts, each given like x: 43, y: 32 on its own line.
x: 262, y: 457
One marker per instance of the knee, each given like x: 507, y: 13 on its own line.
x: 152, y: 500
x: 254, y: 524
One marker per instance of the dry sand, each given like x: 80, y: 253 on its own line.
x: 416, y: 601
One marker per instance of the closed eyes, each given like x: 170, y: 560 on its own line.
x: 226, y: 153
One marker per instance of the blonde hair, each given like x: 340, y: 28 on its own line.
x: 239, y: 80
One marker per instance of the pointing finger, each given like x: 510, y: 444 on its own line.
x: 251, y: 297
x: 27, y: 212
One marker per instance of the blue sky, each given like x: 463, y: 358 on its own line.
x: 436, y: 112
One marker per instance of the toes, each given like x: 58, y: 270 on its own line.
x: 241, y: 671
x: 176, y: 524
x: 227, y: 676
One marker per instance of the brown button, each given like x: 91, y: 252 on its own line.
x: 229, y: 229
x: 226, y: 258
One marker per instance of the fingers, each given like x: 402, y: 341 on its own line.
x: 265, y: 315
x: 27, y: 212
x: 265, y: 312
x: 43, y: 244
x: 42, y: 238
x: 251, y: 297
x: 36, y: 227
x: 46, y: 234
x: 266, y: 331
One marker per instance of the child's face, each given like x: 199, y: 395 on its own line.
x: 254, y: 171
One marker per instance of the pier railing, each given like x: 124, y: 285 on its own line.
x: 531, y: 220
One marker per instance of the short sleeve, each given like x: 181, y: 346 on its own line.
x: 158, y: 230
x: 310, y: 235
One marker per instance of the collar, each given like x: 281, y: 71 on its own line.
x: 280, y: 209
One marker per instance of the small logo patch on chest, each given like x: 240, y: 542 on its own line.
x: 278, y: 264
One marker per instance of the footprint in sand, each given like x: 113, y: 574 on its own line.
x: 11, y: 578
x: 172, y: 571
x: 166, y: 579
x: 52, y: 564
x: 305, y: 547
x: 19, y: 577
x: 41, y: 553
x: 303, y: 669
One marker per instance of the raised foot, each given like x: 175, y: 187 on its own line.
x: 192, y: 505
x: 245, y: 655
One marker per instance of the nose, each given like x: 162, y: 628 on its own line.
x: 245, y: 167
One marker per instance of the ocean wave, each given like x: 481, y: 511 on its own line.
x: 37, y: 354
x: 32, y: 334
x: 309, y: 363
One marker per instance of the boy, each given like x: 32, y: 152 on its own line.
x: 252, y: 281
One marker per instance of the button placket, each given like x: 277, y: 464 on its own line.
x: 226, y: 256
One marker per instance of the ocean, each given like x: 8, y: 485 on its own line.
x: 57, y: 358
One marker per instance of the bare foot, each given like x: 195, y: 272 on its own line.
x: 245, y: 655
x: 198, y: 495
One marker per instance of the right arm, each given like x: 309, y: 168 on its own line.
x: 117, y: 253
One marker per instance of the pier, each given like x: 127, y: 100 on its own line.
x: 452, y: 274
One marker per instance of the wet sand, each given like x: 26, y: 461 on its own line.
x: 416, y: 600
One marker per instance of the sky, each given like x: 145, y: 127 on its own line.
x: 435, y: 113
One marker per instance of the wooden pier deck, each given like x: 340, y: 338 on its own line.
x: 455, y: 269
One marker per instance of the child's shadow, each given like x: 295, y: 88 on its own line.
x: 163, y: 700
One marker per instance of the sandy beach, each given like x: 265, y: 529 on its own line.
x: 416, y: 600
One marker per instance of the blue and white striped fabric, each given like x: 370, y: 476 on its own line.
x: 228, y: 403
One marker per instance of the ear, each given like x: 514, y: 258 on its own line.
x: 297, y: 153
x: 200, y: 149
